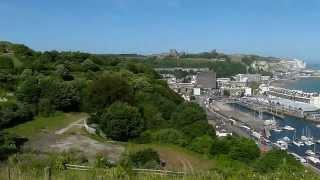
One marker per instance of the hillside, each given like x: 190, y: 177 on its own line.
x: 141, y: 123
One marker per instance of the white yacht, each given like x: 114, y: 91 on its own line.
x: 277, y: 129
x: 307, y: 138
x: 288, y: 128
x: 310, y: 153
x: 309, y: 143
x: 270, y: 122
x: 297, y: 143
x: 282, y: 145
x: 286, y: 139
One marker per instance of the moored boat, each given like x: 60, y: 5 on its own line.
x: 282, y: 145
x: 288, y: 128
x: 297, y: 143
x: 309, y: 143
x: 286, y: 139
x: 310, y: 153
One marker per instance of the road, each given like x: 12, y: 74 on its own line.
x: 233, y: 129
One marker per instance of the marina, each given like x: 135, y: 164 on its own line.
x: 295, y: 135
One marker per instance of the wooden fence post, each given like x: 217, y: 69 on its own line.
x: 9, y: 173
x: 47, y: 173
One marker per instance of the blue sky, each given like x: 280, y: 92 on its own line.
x: 284, y: 28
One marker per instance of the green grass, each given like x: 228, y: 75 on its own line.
x: 45, y: 124
x: 119, y: 173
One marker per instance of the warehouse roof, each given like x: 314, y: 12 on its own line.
x: 207, y: 80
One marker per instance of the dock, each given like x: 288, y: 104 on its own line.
x: 274, y: 110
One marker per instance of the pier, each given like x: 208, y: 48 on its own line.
x: 273, y: 109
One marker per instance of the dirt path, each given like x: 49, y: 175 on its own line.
x: 186, y: 165
x: 76, y: 123
x: 73, y: 137
x: 189, y: 165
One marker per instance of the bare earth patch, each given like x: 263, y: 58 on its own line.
x: 73, y: 137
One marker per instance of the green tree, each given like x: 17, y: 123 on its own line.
x: 198, y: 128
x: 244, y: 150
x: 6, y: 63
x: 275, y: 159
x: 166, y: 136
x: 219, y: 147
x: 121, y: 122
x: 187, y: 114
x: 29, y: 91
x: 108, y: 89
x: 89, y: 65
x: 144, y: 158
x: 67, y: 96
x: 26, y: 73
x: 46, y: 107
x: 201, y: 144
x: 63, y: 72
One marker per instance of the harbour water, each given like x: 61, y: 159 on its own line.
x: 310, y: 84
x: 301, y: 127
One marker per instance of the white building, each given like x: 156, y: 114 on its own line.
x: 248, y: 91
x: 196, y: 91
x: 223, y: 81
x: 265, y: 78
x: 248, y: 77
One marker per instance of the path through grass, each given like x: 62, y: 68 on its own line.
x: 45, y: 124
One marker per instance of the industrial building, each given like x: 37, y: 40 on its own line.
x: 206, y: 80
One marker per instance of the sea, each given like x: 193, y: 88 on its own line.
x: 309, y: 84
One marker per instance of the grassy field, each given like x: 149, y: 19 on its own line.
x: 177, y: 158
x: 121, y: 174
x: 45, y: 124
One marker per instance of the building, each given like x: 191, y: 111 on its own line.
x: 248, y: 91
x: 182, y: 69
x: 182, y: 88
x: 293, y: 99
x: 248, y: 78
x: 206, y: 80
x: 265, y: 78
x: 221, y: 82
x: 173, y: 53
x: 294, y: 95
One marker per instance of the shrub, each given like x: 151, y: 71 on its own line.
x: 121, y: 122
x: 102, y: 162
x: 201, y: 144
x: 169, y: 136
x: 147, y: 158
x: 274, y: 159
x: 197, y: 129
x: 236, y: 148
x: 219, y: 147
x: 244, y: 150
x: 187, y: 114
